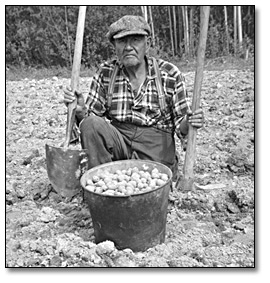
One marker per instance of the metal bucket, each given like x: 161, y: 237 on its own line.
x: 137, y: 221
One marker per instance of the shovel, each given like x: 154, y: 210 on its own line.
x: 64, y: 165
x: 188, y: 181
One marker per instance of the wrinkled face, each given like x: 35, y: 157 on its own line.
x: 131, y: 49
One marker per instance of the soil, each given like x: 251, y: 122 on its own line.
x: 210, y: 226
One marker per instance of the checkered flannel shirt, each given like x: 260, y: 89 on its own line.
x: 141, y: 108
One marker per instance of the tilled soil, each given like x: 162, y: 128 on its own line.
x: 210, y: 226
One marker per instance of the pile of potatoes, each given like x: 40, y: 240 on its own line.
x: 126, y: 182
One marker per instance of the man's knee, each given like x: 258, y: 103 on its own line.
x: 92, y: 124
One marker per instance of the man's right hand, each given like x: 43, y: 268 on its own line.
x: 70, y: 96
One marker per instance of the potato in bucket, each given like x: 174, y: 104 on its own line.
x: 128, y: 202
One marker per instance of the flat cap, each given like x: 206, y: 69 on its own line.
x: 128, y: 25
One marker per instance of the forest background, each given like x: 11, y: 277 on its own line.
x: 44, y: 36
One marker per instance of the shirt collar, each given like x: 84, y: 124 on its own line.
x: 149, y: 61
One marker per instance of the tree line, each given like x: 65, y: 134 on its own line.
x: 45, y: 35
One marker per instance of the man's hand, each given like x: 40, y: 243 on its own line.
x: 70, y: 96
x: 196, y: 119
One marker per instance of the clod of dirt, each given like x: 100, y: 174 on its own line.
x: 105, y: 247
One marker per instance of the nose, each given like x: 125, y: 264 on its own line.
x: 128, y: 44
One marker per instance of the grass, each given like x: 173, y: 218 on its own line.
x: 217, y: 64
x: 20, y: 73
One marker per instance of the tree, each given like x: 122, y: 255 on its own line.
x: 174, y: 29
x: 171, y: 30
x: 45, y: 35
x: 144, y: 12
x: 180, y: 28
x: 239, y: 27
x: 226, y: 29
x: 235, y: 29
x: 191, y: 35
x: 186, y: 35
x: 68, y: 39
x: 152, y: 25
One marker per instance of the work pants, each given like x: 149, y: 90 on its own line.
x: 107, y: 142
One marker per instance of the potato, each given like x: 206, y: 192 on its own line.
x: 152, y: 183
x: 155, y: 176
x: 155, y: 173
x: 109, y: 192
x: 129, y: 172
x: 135, y: 176
x: 164, y: 177
x: 127, y: 178
x: 89, y: 182
x: 147, y: 176
x: 122, y: 189
x: 95, y: 179
x: 106, y: 172
x: 143, y: 180
x: 112, y: 185
x: 142, y: 173
x: 99, y: 190
x: 116, y: 193
x: 127, y: 181
x: 145, y: 167
x: 129, y: 190
x: 115, y: 177
x: 160, y: 182
x: 107, y: 179
x: 121, y: 177
x: 122, y: 183
x: 135, y: 170
x: 140, y: 185
x: 91, y: 188
x: 100, y: 183
x: 104, y: 188
x: 118, y: 172
x: 147, y: 189
x: 145, y: 185
x: 132, y: 184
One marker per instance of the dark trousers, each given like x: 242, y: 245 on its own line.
x: 108, y: 142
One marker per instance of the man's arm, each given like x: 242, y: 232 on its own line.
x: 180, y: 106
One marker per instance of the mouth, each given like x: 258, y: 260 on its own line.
x: 129, y: 56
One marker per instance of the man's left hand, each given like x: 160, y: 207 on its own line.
x: 196, y: 118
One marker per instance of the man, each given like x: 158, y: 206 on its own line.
x: 143, y: 99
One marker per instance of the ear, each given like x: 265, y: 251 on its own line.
x: 148, y: 43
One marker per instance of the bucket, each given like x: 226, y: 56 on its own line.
x: 136, y: 221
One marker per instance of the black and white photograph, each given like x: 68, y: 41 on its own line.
x: 130, y: 137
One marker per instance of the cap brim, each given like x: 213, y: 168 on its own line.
x: 130, y: 32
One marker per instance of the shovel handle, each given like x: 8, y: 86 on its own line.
x: 75, y: 73
x: 191, y: 145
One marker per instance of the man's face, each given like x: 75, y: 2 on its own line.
x: 131, y: 49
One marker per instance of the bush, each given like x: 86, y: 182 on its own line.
x: 45, y: 35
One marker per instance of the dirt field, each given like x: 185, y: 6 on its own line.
x: 212, y: 226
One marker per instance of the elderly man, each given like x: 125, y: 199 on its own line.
x: 143, y: 99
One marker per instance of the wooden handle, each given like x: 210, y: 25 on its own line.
x: 75, y: 73
x: 191, y: 145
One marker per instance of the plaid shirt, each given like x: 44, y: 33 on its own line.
x: 140, y: 108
